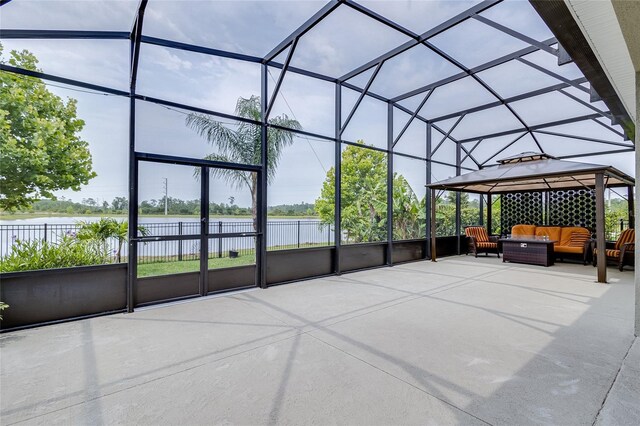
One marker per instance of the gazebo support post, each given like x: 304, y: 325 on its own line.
x: 427, y: 212
x: 458, y: 197
x: 433, y: 225
x: 489, y: 218
x: 600, y: 238
x: 631, y: 206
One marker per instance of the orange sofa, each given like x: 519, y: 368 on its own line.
x: 574, y: 240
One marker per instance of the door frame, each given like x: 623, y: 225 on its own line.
x: 204, y: 235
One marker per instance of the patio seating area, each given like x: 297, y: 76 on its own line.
x: 463, y: 340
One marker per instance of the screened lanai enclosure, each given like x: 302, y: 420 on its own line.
x: 345, y: 109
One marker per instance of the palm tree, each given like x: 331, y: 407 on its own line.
x: 242, y: 145
x: 107, y: 228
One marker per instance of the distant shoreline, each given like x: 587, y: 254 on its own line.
x: 44, y: 215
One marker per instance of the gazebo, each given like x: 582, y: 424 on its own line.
x: 531, y: 171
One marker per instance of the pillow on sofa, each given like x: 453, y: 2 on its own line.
x: 568, y: 231
x: 578, y: 239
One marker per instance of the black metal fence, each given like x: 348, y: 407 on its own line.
x: 280, y: 235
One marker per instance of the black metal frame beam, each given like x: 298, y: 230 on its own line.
x: 587, y: 104
x: 516, y: 34
x: 503, y: 148
x: 261, y: 219
x: 337, y: 182
x: 552, y: 74
x: 511, y: 99
x: 611, y: 129
x: 132, y: 258
x: 468, y: 153
x: 285, y: 67
x: 360, y: 98
x: 584, y: 138
x: 389, y: 248
x: 63, y: 80
x: 463, y: 16
x: 413, y: 116
x: 204, y: 230
x: 434, y: 126
x: 303, y: 29
x: 593, y: 154
x: 531, y: 128
x: 196, y: 162
x: 63, y: 34
x: 155, y: 41
x: 177, y: 105
x: 477, y: 69
x: 428, y: 198
x: 446, y: 135
x: 486, y: 87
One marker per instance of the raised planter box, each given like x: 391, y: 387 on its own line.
x: 37, y: 297
x: 297, y: 264
x: 354, y: 257
x: 409, y: 250
x: 161, y: 288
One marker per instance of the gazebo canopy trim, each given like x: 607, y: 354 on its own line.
x: 533, y: 172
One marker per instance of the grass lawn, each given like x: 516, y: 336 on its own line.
x: 167, y: 268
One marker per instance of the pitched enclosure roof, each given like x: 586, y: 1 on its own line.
x: 533, y: 172
x: 488, y: 77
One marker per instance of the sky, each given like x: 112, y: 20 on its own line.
x: 340, y: 43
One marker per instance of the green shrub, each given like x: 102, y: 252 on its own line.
x: 3, y: 306
x: 68, y: 252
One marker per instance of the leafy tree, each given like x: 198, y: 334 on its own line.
x: 446, y: 213
x: 120, y: 203
x: 615, y: 210
x: 409, y: 213
x: 243, y: 144
x: 41, y: 150
x: 364, y: 198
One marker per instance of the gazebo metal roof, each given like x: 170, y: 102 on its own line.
x: 533, y: 172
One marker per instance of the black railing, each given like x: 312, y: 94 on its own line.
x: 280, y: 235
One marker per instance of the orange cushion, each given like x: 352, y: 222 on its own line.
x: 553, y: 232
x: 478, y: 232
x: 484, y: 244
x: 523, y: 230
x: 567, y: 249
x: 567, y: 231
x: 627, y: 236
x: 609, y: 253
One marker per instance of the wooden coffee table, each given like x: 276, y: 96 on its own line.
x: 529, y: 250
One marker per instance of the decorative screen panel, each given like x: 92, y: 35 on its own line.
x: 575, y: 207
x: 520, y: 208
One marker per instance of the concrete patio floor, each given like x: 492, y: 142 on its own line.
x: 460, y: 341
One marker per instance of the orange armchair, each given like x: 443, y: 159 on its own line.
x: 480, y: 241
x: 623, y: 252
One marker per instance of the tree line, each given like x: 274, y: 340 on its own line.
x: 175, y: 206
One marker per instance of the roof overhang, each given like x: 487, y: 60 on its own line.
x: 603, y: 57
